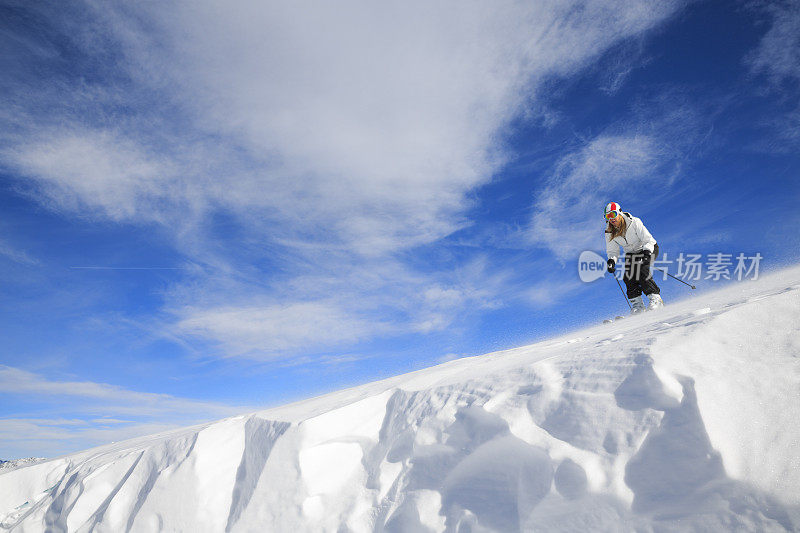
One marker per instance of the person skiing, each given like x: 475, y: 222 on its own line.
x: 641, y: 249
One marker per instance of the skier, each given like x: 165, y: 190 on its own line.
x: 640, y: 249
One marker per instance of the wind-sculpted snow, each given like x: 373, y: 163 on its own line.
x: 680, y: 420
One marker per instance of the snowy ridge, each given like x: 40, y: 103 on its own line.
x: 684, y: 419
x: 16, y: 463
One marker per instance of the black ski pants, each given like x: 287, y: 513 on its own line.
x: 638, y: 278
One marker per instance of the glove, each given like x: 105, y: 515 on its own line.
x: 611, y: 265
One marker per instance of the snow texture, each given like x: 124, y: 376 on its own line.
x: 16, y: 463
x: 684, y: 419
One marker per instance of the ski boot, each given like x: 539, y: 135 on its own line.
x: 655, y: 302
x: 637, y: 305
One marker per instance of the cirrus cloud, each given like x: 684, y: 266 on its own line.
x: 333, y: 138
x: 367, y: 124
x: 71, y: 421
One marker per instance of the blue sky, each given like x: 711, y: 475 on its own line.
x: 211, y: 208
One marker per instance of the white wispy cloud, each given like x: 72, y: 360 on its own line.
x: 567, y: 214
x: 16, y: 255
x: 367, y: 123
x: 74, y: 406
x: 634, y: 162
x: 778, y: 53
x: 276, y: 329
x: 101, y: 398
x: 101, y: 168
x: 617, y: 67
x: 24, y: 437
x: 777, y: 57
x: 356, y: 303
x: 336, y: 136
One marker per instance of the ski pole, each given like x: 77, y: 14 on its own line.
x: 623, y: 292
x: 673, y: 277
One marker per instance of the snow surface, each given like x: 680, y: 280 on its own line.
x: 684, y: 419
x: 16, y: 463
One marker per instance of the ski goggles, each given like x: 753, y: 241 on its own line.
x: 612, y: 214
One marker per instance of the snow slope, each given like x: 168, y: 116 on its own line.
x: 683, y: 419
x: 8, y: 465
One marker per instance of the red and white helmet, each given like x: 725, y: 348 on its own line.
x: 612, y: 210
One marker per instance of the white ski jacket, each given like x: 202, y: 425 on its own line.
x: 636, y: 239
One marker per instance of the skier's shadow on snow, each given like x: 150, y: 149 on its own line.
x: 677, y: 475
